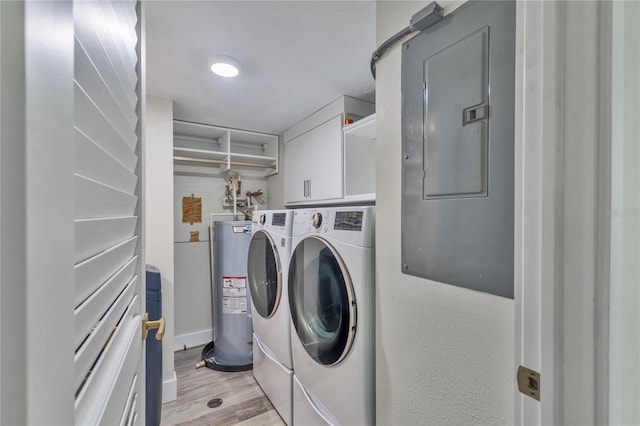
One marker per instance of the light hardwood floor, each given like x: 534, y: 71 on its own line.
x: 244, y: 403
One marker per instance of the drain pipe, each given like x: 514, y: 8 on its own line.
x: 420, y: 21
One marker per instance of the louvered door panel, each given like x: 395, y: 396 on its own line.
x: 131, y: 404
x: 96, y: 199
x: 109, y: 295
x: 92, y: 30
x: 97, y: 164
x: 101, y: 333
x: 97, y: 235
x: 92, y: 121
x: 90, y: 274
x: 88, y: 314
x: 97, y: 89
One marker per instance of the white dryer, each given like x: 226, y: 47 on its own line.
x: 267, y: 266
x: 331, y: 297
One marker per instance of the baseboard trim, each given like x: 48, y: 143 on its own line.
x: 191, y: 340
x: 170, y: 389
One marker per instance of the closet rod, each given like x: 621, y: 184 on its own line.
x: 233, y: 163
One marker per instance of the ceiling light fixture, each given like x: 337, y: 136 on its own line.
x: 224, y: 66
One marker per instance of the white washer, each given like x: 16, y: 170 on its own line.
x: 331, y: 298
x: 267, y: 266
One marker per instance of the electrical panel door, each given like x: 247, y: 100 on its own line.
x: 456, y: 86
x: 458, y: 95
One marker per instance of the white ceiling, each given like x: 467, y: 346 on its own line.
x: 296, y: 56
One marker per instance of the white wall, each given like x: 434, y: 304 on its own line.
x: 159, y: 221
x: 444, y: 354
x: 192, y: 295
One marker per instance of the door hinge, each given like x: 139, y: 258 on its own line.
x: 529, y: 382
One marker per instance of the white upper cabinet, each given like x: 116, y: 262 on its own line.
x: 198, y: 144
x: 315, y: 153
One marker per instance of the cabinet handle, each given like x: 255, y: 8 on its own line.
x: 309, y: 189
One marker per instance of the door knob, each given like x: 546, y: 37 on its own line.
x: 152, y: 325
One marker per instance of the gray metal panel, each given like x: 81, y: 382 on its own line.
x: 457, y: 228
x: 456, y: 79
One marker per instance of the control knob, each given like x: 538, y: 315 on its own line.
x: 263, y: 218
x: 316, y: 220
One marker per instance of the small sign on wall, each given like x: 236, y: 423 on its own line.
x: 191, y: 210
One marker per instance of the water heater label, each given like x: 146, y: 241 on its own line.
x: 234, y: 286
x: 234, y: 282
x: 234, y: 295
x: 234, y: 305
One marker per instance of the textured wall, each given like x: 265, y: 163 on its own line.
x: 444, y: 354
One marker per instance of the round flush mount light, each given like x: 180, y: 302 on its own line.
x: 224, y: 66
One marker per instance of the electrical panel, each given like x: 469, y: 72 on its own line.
x: 458, y: 95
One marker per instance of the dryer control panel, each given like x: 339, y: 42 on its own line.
x: 348, y: 220
x: 353, y: 225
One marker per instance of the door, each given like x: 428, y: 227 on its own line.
x: 109, y: 300
x: 73, y: 260
x: 265, y: 274
x: 296, y: 175
x: 313, y: 163
x: 624, y: 213
x: 322, y: 301
x: 562, y: 200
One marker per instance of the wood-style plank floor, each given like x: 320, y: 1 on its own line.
x: 244, y: 403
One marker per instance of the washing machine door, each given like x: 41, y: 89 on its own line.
x: 264, y: 273
x: 322, y: 301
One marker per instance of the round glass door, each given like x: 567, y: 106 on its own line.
x: 322, y: 302
x: 265, y: 277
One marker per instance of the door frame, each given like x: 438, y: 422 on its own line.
x: 37, y: 211
x: 562, y: 181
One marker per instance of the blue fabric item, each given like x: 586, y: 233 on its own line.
x: 154, y: 349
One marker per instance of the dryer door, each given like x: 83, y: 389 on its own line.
x: 265, y: 275
x: 322, y: 301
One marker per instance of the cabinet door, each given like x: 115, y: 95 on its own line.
x: 313, y: 162
x: 324, y: 159
x: 296, y: 173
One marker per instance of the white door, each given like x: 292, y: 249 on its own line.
x: 109, y: 297
x: 313, y: 163
x: 624, y: 213
x: 563, y: 113
x: 72, y: 269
